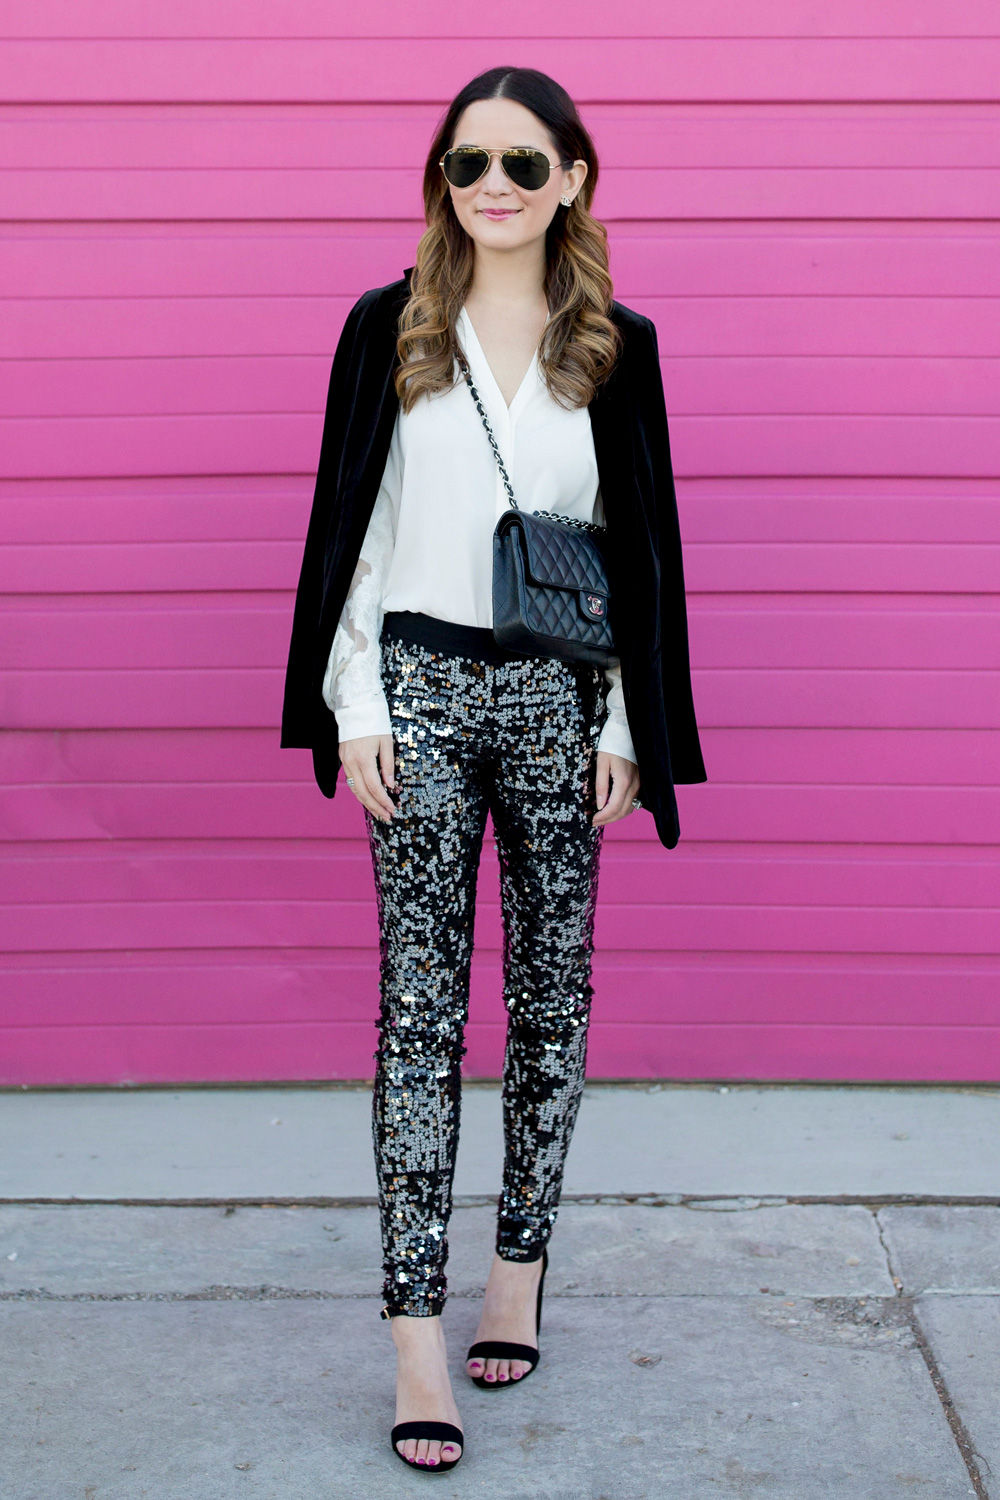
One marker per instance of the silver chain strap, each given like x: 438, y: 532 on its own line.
x: 566, y: 520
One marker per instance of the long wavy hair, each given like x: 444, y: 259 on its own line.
x: 580, y: 344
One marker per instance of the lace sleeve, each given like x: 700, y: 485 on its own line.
x: 352, y: 686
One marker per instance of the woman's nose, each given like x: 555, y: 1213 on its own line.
x: 496, y: 179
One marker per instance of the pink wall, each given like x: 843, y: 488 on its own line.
x: 804, y: 198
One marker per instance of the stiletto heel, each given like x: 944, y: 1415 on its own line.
x: 500, y: 1349
x: 435, y: 1432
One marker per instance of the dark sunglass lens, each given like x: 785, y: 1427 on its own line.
x: 464, y: 167
x: 528, y: 169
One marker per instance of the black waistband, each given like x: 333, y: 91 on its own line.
x: 447, y: 638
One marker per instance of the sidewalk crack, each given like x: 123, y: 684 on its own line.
x: 896, y: 1280
x: 974, y: 1461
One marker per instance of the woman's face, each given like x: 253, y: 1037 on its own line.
x: 496, y: 213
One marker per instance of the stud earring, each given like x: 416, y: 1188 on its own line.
x: 565, y: 201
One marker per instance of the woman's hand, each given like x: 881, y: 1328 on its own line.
x: 617, y: 788
x: 361, y: 759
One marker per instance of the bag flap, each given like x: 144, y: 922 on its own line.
x: 561, y: 556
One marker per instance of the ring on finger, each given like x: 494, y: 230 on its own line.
x: 350, y: 781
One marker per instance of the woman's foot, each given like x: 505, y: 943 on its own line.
x: 509, y: 1314
x: 423, y: 1389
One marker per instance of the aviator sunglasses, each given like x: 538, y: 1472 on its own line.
x: 526, y: 167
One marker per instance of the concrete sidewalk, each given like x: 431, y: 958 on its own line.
x: 712, y: 1336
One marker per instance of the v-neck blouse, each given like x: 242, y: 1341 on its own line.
x: 429, y: 543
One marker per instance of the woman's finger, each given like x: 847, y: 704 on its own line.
x: 387, y: 760
x: 615, y: 806
x: 601, y: 785
x: 379, y: 802
x: 361, y: 789
x: 604, y: 789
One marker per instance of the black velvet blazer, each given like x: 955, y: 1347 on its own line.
x: 632, y: 447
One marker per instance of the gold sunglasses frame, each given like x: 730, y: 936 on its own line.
x: 492, y: 151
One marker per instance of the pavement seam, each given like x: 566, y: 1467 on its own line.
x: 963, y: 1440
x: 265, y: 1293
x: 870, y: 1201
x: 363, y: 1086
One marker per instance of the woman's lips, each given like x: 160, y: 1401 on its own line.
x: 499, y: 213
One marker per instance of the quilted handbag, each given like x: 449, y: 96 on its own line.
x: 550, y: 578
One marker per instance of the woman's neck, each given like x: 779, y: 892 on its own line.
x: 508, y: 278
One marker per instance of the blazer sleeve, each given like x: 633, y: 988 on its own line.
x: 304, y: 712
x: 686, y: 763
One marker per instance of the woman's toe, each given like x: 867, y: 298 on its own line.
x: 491, y: 1369
x: 503, y: 1370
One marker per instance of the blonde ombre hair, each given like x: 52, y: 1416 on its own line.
x: 580, y: 344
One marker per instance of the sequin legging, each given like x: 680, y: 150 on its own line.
x: 517, y: 740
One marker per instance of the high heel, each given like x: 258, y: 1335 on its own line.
x: 435, y: 1432
x: 500, y: 1349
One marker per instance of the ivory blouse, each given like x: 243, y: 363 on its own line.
x: 429, y: 543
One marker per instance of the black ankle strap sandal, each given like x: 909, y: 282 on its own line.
x: 435, y: 1432
x: 500, y: 1349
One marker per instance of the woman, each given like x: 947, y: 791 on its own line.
x: 393, y: 666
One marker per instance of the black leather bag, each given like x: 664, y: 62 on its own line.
x: 550, y: 579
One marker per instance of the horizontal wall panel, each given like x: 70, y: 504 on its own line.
x: 832, y: 568
x: 734, y: 509
x: 638, y: 928
x: 313, y: 139
x: 812, y: 814
x: 764, y: 756
x: 792, y: 385
x: 251, y: 873
x: 743, y: 259
x: 392, y: 18
x: 394, y: 193
x: 851, y: 639
x: 725, y: 638
x: 842, y: 568
x: 420, y: 68
x: 934, y: 1054
x: 284, y: 444
x: 257, y: 508
x: 871, y: 516
x: 189, y: 987
x: 288, y: 444
x: 924, y: 757
x: 247, y: 1053
x: 841, y: 699
x: 64, y: 327
x: 153, y: 567
x: 251, y: 699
